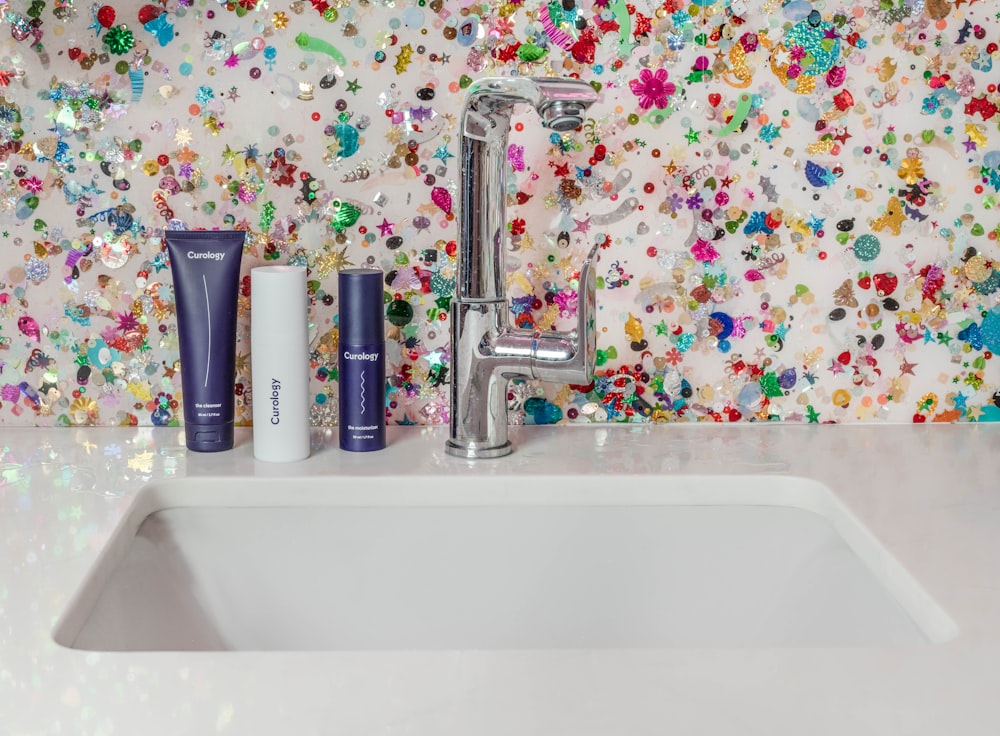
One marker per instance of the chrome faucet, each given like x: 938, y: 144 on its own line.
x: 486, y: 352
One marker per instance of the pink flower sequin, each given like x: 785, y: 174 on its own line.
x: 652, y: 88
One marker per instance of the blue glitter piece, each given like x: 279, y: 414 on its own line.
x: 990, y: 284
x: 990, y: 330
x: 204, y: 94
x: 725, y: 321
x: 995, y: 180
x: 769, y: 132
x: 349, y: 139
x: 684, y: 342
x: 867, y: 247
x: 817, y: 175
x: 757, y: 224
x: 973, y: 336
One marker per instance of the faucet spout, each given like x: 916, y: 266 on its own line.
x: 486, y: 351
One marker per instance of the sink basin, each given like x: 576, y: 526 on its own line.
x: 495, y: 563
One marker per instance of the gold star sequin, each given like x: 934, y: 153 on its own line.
x: 330, y: 261
x: 975, y: 134
x: 403, y: 60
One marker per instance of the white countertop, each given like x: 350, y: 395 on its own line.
x: 929, y: 494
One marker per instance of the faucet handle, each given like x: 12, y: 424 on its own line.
x: 569, y: 357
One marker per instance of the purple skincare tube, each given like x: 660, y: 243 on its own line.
x: 206, y: 269
x: 361, y: 360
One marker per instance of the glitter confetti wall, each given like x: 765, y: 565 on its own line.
x: 796, y: 202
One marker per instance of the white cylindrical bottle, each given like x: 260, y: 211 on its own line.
x: 279, y: 354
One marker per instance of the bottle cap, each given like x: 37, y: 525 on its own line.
x: 278, y: 299
x: 362, y: 312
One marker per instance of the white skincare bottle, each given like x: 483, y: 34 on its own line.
x: 279, y: 355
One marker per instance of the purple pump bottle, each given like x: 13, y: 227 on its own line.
x: 361, y: 360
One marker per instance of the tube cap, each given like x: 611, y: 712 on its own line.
x: 209, y: 437
x: 362, y: 313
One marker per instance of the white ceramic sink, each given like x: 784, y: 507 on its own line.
x: 501, y: 563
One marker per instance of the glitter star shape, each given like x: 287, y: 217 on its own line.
x: 331, y: 261
x: 442, y: 153
x: 421, y: 113
x: 769, y: 189
x: 385, y: 228
x: 353, y: 86
x: 213, y: 124
x: 403, y: 60
x: 692, y: 136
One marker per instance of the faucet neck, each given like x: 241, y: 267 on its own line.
x: 482, y: 215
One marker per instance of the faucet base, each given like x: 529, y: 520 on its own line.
x: 473, y: 451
